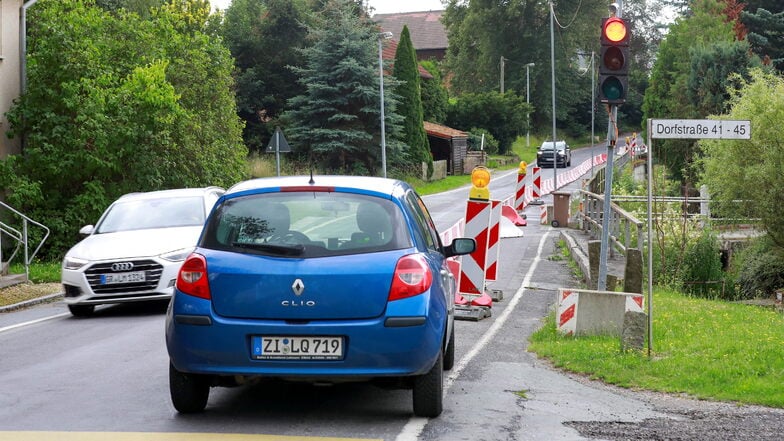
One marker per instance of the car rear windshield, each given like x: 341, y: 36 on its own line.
x: 306, y: 224
x: 143, y: 214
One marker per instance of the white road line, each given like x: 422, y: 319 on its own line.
x: 416, y: 425
x: 32, y: 322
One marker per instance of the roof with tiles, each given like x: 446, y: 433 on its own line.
x: 427, y: 31
x: 444, y: 132
x: 389, y: 48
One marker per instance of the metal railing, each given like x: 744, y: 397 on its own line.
x: 626, y: 231
x: 20, y: 238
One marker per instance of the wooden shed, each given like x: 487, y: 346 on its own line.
x: 448, y: 144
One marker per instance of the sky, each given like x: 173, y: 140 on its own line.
x: 381, y: 6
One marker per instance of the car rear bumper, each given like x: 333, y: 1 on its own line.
x: 200, y: 342
x: 548, y: 162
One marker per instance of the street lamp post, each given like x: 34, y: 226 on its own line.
x: 381, y: 37
x: 552, y: 90
x: 528, y: 101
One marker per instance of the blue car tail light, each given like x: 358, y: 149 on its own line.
x: 412, y: 277
x: 192, y: 278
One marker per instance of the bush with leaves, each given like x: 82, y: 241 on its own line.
x: 502, y: 114
x: 481, y: 139
x: 702, y: 271
x: 760, y: 269
x: 117, y: 104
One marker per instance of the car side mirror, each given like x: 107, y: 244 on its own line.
x: 86, y: 230
x: 460, y: 246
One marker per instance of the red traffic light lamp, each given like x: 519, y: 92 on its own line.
x: 614, y: 61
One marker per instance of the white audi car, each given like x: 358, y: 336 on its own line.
x: 136, y: 249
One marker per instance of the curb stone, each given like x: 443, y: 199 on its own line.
x: 31, y: 302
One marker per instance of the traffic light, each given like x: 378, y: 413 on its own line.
x: 614, y: 61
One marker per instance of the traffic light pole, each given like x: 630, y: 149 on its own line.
x: 613, y: 85
x: 612, y: 136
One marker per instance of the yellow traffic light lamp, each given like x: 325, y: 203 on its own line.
x: 522, y: 170
x: 480, y: 179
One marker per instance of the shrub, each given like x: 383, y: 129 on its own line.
x: 475, y: 141
x: 760, y: 269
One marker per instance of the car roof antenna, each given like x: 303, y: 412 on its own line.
x: 311, y: 182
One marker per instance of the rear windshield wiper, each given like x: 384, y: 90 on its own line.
x: 283, y: 250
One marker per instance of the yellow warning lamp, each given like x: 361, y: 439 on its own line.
x: 522, y: 170
x: 480, y: 179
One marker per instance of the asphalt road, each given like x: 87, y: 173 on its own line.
x: 63, y: 378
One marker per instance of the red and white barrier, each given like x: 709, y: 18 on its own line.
x: 536, y: 182
x: 571, y: 175
x: 519, y: 203
x: 472, y: 271
x: 493, y: 243
x: 587, y: 312
x: 456, y: 230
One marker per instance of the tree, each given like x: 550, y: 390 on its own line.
x: 141, y: 7
x: 750, y: 170
x: 766, y: 33
x: 710, y: 76
x: 482, y: 32
x: 118, y: 104
x: 501, y: 114
x: 406, y: 70
x: 263, y: 37
x: 335, y: 121
x: 664, y: 98
x: 435, y: 98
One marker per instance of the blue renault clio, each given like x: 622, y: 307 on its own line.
x: 320, y: 279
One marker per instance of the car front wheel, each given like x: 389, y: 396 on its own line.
x: 429, y: 390
x: 189, y: 392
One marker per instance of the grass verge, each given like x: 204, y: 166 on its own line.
x: 703, y: 348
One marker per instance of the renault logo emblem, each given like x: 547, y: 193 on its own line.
x: 122, y: 266
x: 298, y: 287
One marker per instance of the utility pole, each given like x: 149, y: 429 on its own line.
x: 502, y: 73
x: 552, y: 85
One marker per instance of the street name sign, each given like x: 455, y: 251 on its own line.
x: 699, y: 129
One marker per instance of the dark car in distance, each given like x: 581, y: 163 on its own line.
x: 558, y: 149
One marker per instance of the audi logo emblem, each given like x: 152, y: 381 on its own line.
x: 122, y: 266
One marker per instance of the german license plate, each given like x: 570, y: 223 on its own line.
x: 133, y: 277
x: 296, y: 348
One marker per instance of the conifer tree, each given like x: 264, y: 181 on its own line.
x: 406, y: 71
x: 335, y: 122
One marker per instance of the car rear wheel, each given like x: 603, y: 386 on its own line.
x: 429, y: 390
x: 81, y: 310
x: 189, y: 392
x: 449, y: 355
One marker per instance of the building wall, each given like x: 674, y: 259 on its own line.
x: 10, y: 86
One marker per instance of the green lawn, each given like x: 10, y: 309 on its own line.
x: 703, y: 348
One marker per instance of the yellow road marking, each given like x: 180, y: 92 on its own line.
x: 160, y: 436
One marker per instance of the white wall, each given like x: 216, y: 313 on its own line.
x: 9, y: 69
